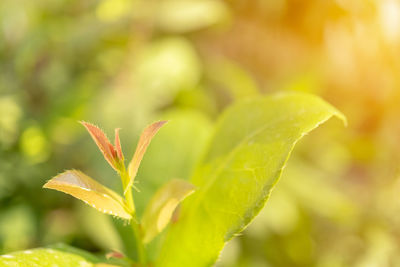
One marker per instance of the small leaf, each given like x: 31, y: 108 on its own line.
x: 83, y: 187
x: 161, y: 207
x: 115, y: 254
x: 117, y: 144
x: 142, y: 145
x: 102, y: 143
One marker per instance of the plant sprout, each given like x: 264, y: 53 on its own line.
x: 161, y: 207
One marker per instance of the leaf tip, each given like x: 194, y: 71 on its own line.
x: 343, y: 118
x: 161, y: 123
x: 46, y: 185
x: 87, y: 124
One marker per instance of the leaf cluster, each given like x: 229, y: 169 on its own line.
x: 245, y: 158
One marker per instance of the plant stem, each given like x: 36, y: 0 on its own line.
x: 139, y: 243
x: 141, y: 252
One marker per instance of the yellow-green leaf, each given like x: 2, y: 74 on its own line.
x: 161, y: 207
x: 57, y: 255
x: 44, y: 257
x: 142, y: 145
x: 251, y: 145
x: 83, y: 187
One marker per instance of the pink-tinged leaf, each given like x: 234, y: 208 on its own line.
x: 117, y: 144
x: 160, y: 210
x: 144, y: 142
x: 113, y: 151
x: 176, y: 214
x: 102, y: 143
x: 115, y: 254
x: 81, y: 186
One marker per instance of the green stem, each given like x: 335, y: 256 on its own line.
x: 141, y: 252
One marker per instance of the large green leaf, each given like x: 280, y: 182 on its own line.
x: 251, y: 145
x: 58, y: 255
x: 44, y: 257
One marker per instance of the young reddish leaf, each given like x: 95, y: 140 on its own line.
x: 115, y: 254
x: 102, y: 143
x: 159, y: 211
x: 83, y: 187
x: 117, y: 144
x: 142, y: 145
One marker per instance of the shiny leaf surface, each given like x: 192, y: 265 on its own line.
x: 251, y: 145
x: 83, y: 187
x: 44, y: 257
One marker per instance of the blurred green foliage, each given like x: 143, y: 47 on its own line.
x: 125, y: 63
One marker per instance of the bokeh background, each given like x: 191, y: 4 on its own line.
x: 126, y: 63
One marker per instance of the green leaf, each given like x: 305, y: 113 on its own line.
x: 44, y: 257
x: 251, y: 145
x: 58, y: 255
x: 159, y: 211
x: 83, y: 187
